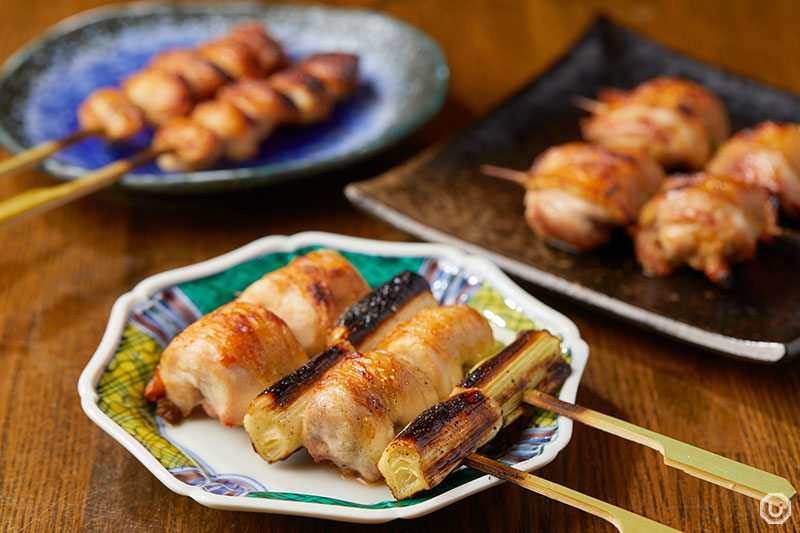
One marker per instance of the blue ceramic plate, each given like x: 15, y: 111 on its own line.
x: 403, y: 84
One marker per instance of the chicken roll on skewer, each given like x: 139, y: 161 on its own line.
x: 243, y: 115
x: 577, y: 193
x: 274, y: 420
x: 767, y: 155
x: 677, y: 122
x: 357, y: 409
x: 226, y: 358
x: 168, y: 86
x: 309, y: 294
x: 227, y: 126
x: 222, y: 361
x: 704, y: 221
x: 175, y: 80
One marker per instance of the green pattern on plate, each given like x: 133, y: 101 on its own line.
x: 456, y: 479
x: 121, y: 395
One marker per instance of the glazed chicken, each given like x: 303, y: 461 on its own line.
x: 704, y: 221
x: 678, y: 122
x: 174, y: 81
x: 160, y: 95
x: 245, y: 113
x: 109, y: 111
x: 576, y: 193
x: 358, y: 408
x: 767, y: 155
x: 223, y: 361
x: 309, y: 294
x: 202, y: 76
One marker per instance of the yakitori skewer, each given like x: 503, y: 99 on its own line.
x: 231, y: 125
x: 168, y: 86
x: 577, y: 193
x: 443, y: 437
x: 679, y: 123
x: 446, y: 436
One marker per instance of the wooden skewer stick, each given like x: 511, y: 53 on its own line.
x: 45, y: 198
x: 40, y: 152
x: 623, y: 520
x: 694, y: 461
x: 587, y: 104
x: 516, y: 176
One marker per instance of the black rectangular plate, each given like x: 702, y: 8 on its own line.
x: 444, y: 198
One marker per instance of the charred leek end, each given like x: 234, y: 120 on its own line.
x: 274, y: 419
x: 275, y: 433
x: 433, y: 445
x: 436, y: 442
x: 523, y: 363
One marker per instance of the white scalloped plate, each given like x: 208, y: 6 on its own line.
x: 215, y: 465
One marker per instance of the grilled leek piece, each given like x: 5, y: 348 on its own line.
x: 437, y: 441
x: 274, y: 420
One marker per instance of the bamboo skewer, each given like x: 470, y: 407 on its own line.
x: 696, y: 462
x: 45, y: 198
x: 623, y: 520
x: 588, y: 104
x: 40, y: 152
x: 509, y: 174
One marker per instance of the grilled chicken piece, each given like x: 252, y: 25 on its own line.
x: 306, y: 92
x: 234, y: 58
x: 238, y: 135
x: 263, y: 104
x: 309, y: 294
x: 767, y: 155
x: 159, y: 94
x: 201, y: 75
x: 358, y: 408
x: 576, y: 193
x: 175, y: 80
x: 337, y: 72
x: 267, y: 52
x: 109, y: 112
x: 187, y: 145
x: 274, y: 420
x: 291, y: 96
x: 222, y: 362
x: 704, y: 221
x: 678, y: 122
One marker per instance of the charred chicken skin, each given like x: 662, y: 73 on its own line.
x: 677, y: 122
x: 767, y: 155
x: 704, y: 221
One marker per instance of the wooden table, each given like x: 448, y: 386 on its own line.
x: 60, y: 273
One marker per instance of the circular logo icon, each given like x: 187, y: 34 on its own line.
x: 775, y: 508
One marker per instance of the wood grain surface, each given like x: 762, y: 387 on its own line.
x: 61, y: 271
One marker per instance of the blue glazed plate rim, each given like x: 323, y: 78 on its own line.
x: 220, y: 179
